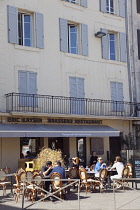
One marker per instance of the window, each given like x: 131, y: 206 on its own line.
x: 117, y: 96
x: 73, y: 1
x: 27, y: 88
x: 25, y: 29
x: 73, y: 37
x: 80, y: 2
x: 110, y: 6
x: 77, y: 95
x: 138, y: 6
x: 114, y: 46
x: 138, y: 38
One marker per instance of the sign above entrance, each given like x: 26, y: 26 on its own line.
x: 75, y: 121
x: 53, y: 121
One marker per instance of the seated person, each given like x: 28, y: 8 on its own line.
x: 99, y: 165
x: 93, y: 158
x: 118, y: 165
x: 74, y: 162
x: 59, y: 169
x: 46, y: 170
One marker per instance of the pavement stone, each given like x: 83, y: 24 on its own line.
x: 127, y: 199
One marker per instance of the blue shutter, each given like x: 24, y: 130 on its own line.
x: 73, y: 93
x: 39, y: 30
x: 81, y: 95
x: 84, y: 3
x: 22, y: 80
x: 84, y: 31
x: 122, y: 4
x: 117, y: 96
x: 32, y: 88
x: 123, y: 47
x: 105, y: 44
x: 103, y: 6
x: 63, y: 27
x: 12, y: 13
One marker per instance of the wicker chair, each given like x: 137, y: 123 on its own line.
x: 3, y: 181
x: 85, y: 181
x: 56, y: 184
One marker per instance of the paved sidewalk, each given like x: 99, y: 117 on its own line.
x: 124, y: 200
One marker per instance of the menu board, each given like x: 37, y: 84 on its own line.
x: 136, y: 168
x: 97, y: 144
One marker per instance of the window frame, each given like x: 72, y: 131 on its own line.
x: 108, y: 8
x: 73, y: 1
x: 69, y: 38
x: 22, y: 15
x: 115, y: 46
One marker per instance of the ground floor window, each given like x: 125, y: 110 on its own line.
x: 29, y: 147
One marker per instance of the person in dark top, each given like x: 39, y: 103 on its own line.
x: 59, y: 170
x: 93, y: 158
x: 74, y: 162
x: 46, y: 170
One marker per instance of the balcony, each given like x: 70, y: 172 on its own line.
x: 19, y: 102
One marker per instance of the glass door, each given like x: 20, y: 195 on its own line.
x: 81, y: 150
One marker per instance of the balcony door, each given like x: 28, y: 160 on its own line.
x: 27, y: 88
x: 77, y: 95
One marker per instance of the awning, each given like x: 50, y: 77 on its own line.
x: 51, y: 130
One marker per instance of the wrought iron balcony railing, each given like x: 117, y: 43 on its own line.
x: 20, y: 102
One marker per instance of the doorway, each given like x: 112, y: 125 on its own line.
x: 81, y: 150
x: 115, y: 147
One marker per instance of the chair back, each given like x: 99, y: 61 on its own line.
x: 7, y: 170
x: 125, y: 172
x: 38, y: 179
x: 129, y: 165
x: 103, y: 174
x: 73, y: 173
x: 2, y: 176
x: 19, y: 170
x: 82, y: 174
x: 57, y: 183
x: 29, y: 176
x: 22, y: 176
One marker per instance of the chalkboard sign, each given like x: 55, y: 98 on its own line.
x: 97, y: 144
x: 136, y: 168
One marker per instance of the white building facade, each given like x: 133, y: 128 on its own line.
x: 64, y: 80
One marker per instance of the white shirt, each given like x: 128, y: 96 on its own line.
x: 119, y: 167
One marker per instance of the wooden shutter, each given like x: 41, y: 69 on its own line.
x: 32, y: 89
x: 122, y: 4
x: 81, y: 94
x: 84, y: 3
x: 123, y: 47
x: 32, y: 83
x: 63, y: 27
x: 117, y: 95
x: 12, y: 13
x: 103, y: 6
x: 22, y: 80
x: 84, y: 31
x: 105, y: 44
x: 39, y: 30
x: 138, y: 37
x: 73, y: 93
x: 138, y: 6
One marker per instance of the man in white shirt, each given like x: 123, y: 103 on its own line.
x: 118, y: 165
